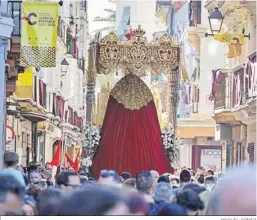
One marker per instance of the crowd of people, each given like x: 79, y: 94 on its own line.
x: 34, y: 191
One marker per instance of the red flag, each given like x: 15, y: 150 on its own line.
x: 129, y: 35
x: 69, y: 160
x: 76, y: 163
x: 57, y: 155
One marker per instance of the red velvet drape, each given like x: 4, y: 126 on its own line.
x: 131, y: 141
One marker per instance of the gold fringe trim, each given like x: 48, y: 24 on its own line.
x: 132, y: 92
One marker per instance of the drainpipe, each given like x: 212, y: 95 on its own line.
x: 6, y: 27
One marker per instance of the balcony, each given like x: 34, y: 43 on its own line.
x: 194, y: 14
x: 83, y: 5
x: 237, y: 87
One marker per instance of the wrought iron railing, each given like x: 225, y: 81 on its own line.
x: 14, y: 10
x: 237, y: 87
x: 223, y: 94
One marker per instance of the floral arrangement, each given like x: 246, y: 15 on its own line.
x: 171, y: 146
x: 91, y: 143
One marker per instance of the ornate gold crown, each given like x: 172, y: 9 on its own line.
x: 139, y: 32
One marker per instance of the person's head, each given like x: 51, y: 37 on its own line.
x: 68, y: 181
x: 108, y: 177
x: 48, y: 166
x: 210, y: 182
x: 166, y: 209
x: 136, y: 203
x: 33, y: 191
x: 130, y: 182
x: 184, y: 177
x: 234, y: 197
x: 93, y: 200
x: 125, y: 176
x: 144, y: 182
x: 82, y: 172
x: 174, y: 180
x: 164, y: 179
x: 48, y: 201
x: 195, y: 187
x: 11, y: 194
x: 190, y: 200
x: 49, y: 183
x: 83, y: 180
x: 200, y: 179
x: 163, y: 192
x: 29, y: 206
x: 42, y: 184
x: 35, y: 176
x: 199, y: 170
x: 210, y: 173
x: 155, y: 176
x: 11, y: 159
x: 192, y: 172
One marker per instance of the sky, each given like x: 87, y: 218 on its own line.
x: 96, y: 8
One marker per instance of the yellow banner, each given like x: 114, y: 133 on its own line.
x: 24, y: 84
x: 234, y: 42
x: 39, y: 34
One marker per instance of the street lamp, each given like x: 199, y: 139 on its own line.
x: 216, y: 19
x: 64, y: 66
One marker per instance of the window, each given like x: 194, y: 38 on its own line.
x: 84, y: 5
x: 14, y: 10
x: 228, y: 155
x: 239, y: 153
x: 250, y: 151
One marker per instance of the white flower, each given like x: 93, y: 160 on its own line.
x: 87, y: 162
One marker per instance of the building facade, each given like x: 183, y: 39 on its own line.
x: 46, y: 105
x: 234, y: 85
x: 195, y: 123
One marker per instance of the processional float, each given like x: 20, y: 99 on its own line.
x: 131, y: 104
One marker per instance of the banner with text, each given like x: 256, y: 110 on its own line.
x: 39, y: 34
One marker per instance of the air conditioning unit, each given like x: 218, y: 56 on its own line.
x: 223, y: 132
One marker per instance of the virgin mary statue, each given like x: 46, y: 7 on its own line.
x: 131, y: 134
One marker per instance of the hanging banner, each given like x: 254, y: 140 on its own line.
x: 39, y: 34
x: 234, y: 42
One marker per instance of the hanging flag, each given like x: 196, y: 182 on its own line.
x: 24, y: 84
x: 39, y: 34
x: 76, y: 163
x: 57, y: 155
x: 234, y: 42
x: 69, y: 160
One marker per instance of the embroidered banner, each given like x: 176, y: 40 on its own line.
x: 234, y: 42
x: 39, y: 34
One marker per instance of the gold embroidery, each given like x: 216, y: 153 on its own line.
x: 132, y: 92
x: 138, y: 55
